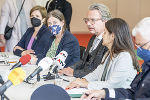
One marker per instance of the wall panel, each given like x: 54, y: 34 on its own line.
x: 130, y: 10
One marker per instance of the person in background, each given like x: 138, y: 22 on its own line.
x: 2, y: 2
x: 140, y: 85
x: 38, y: 33
x: 9, y: 12
x: 119, y: 65
x: 41, y: 2
x: 61, y: 39
x: 97, y: 15
x: 62, y: 5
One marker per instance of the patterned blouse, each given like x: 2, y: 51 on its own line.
x: 52, y: 51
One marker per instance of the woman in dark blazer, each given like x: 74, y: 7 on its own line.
x: 29, y: 43
x: 61, y: 39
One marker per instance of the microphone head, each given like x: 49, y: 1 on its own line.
x: 25, y: 59
x: 16, y: 76
x: 59, y: 62
x: 45, y: 63
x: 62, y: 55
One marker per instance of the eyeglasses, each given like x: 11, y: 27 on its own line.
x: 141, y: 45
x: 91, y: 20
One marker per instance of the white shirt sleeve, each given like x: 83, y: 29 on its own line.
x: 120, y: 77
x: 111, y: 93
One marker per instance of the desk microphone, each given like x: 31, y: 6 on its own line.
x: 59, y: 62
x: 22, y: 61
x: 44, y: 64
x: 15, y: 77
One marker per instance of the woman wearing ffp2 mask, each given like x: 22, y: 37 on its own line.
x: 29, y: 43
x: 61, y: 38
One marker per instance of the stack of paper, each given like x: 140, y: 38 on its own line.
x: 76, y: 92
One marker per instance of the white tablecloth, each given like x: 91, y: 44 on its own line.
x: 24, y: 90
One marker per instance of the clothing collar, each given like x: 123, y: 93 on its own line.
x: 100, y: 36
x: 43, y: 27
x: 145, y: 66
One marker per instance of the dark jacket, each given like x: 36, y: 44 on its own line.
x: 42, y: 37
x: 68, y: 43
x: 63, y: 6
x: 90, y: 61
x: 140, y: 86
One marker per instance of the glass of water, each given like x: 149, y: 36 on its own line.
x: 58, y: 80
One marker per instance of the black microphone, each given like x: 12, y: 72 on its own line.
x: 22, y: 61
x: 1, y: 80
x: 44, y: 64
x: 5, y: 86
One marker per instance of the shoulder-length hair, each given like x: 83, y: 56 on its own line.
x: 123, y: 40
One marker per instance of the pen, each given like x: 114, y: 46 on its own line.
x: 2, y: 61
x: 86, y: 94
x: 66, y: 88
x: 66, y: 80
x: 12, y: 62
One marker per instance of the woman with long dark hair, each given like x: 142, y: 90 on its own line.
x: 119, y: 65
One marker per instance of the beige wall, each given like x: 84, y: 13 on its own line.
x: 41, y: 2
x: 130, y: 10
x: 80, y: 8
x: 1, y: 3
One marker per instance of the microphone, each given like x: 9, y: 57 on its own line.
x: 22, y: 61
x: 44, y: 64
x: 15, y: 77
x: 59, y: 62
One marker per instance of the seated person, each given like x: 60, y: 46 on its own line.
x: 97, y: 15
x: 61, y: 39
x: 140, y: 85
x: 119, y: 65
x: 62, y: 5
x: 34, y: 35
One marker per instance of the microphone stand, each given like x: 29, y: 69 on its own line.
x: 3, y: 96
x: 50, y: 76
x: 38, y: 77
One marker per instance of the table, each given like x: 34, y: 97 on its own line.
x: 24, y: 90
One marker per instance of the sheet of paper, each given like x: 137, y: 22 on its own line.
x: 76, y: 92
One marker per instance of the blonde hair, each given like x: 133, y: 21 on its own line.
x: 41, y: 9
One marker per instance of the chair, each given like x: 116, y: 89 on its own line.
x: 50, y: 92
x: 82, y: 51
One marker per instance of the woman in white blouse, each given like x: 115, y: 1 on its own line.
x: 119, y: 65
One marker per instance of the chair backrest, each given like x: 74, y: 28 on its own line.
x: 50, y: 92
x: 82, y: 51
